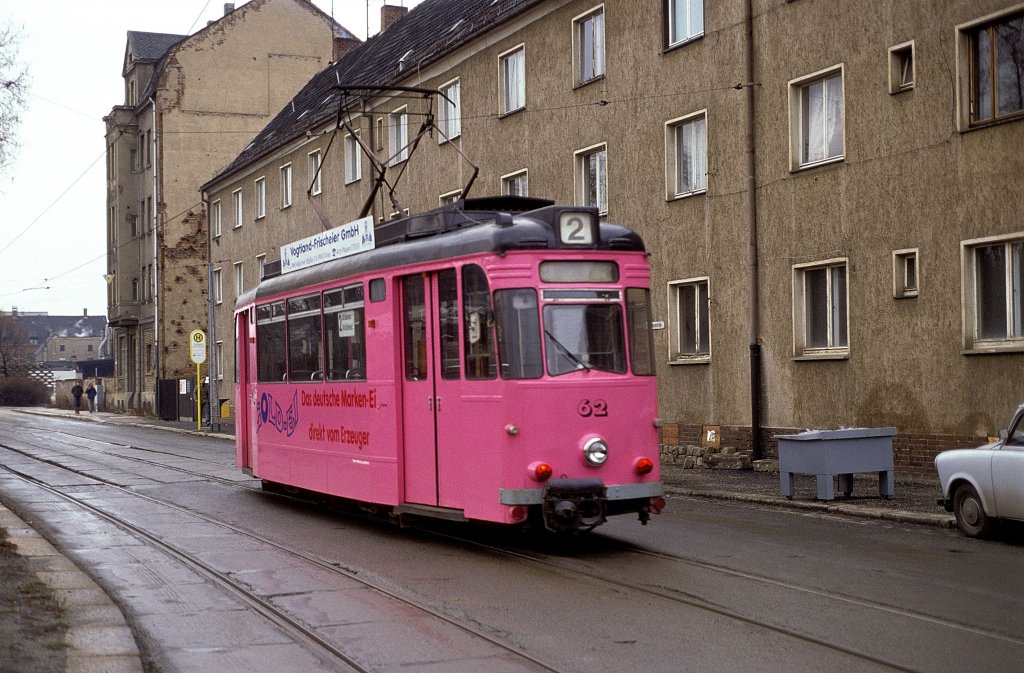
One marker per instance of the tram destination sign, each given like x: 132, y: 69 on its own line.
x: 342, y: 241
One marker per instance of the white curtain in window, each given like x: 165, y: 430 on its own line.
x: 1016, y: 274
x: 686, y: 19
x: 691, y: 156
x: 515, y: 82
x: 822, y: 120
x: 591, y: 47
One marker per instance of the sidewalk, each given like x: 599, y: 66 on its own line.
x: 913, y: 501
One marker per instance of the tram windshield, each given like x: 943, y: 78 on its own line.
x: 575, y: 330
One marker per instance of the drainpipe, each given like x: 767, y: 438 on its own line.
x: 754, y: 294
x: 214, y: 367
x: 156, y: 264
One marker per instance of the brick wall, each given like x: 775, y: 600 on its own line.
x: 913, y: 453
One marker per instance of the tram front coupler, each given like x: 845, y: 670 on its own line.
x: 574, y: 505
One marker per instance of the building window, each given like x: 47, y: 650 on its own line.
x: 398, y: 136
x: 218, y: 360
x: 820, y: 317
x: 592, y: 178
x: 904, y: 273
x: 993, y: 54
x: 684, y: 20
x: 135, y: 289
x: 816, y: 119
x: 901, y: 67
x: 133, y: 160
x: 450, y: 112
x: 515, y: 184
x: 236, y: 197
x: 218, y: 287
x: 993, y: 287
x: 378, y: 143
x: 261, y: 197
x: 239, y: 279
x: 686, y: 142
x: 449, y: 198
x: 314, y: 172
x: 133, y: 222
x: 261, y: 262
x: 512, y: 75
x: 353, y: 160
x: 690, y: 330
x: 588, y: 34
x: 215, y: 218
x: 89, y: 348
x: 286, y: 186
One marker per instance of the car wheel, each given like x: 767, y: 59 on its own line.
x: 970, y: 514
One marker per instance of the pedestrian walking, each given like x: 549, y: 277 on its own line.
x: 76, y: 393
x: 90, y: 393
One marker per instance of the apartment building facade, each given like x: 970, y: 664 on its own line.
x: 832, y: 215
x: 191, y: 103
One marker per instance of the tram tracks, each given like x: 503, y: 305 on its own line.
x: 288, y: 623
x: 579, y: 568
x: 583, y: 571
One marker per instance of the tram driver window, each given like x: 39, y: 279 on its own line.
x: 518, y: 326
x: 345, y: 331
x: 479, y: 324
x: 304, y: 362
x: 270, y: 344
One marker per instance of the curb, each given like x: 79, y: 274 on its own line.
x: 899, y: 516
x: 98, y: 636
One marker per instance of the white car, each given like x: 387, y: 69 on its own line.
x: 987, y: 483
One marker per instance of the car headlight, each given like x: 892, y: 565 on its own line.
x: 595, y: 451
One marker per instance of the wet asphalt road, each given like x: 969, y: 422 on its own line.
x: 706, y: 586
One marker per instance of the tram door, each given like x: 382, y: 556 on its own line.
x: 431, y: 355
x: 243, y: 432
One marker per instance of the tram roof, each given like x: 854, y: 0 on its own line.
x: 471, y: 226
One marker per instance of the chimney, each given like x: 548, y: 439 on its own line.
x: 228, y: 8
x: 389, y: 14
x: 85, y: 313
x: 342, y: 46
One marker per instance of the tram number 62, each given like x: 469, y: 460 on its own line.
x: 588, y: 408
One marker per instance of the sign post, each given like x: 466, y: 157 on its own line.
x: 197, y: 353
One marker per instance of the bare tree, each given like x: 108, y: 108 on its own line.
x: 13, y: 91
x: 14, y: 347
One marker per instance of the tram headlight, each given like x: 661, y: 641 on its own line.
x: 595, y: 451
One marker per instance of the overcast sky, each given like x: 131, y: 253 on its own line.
x: 53, y: 196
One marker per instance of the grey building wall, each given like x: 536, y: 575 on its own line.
x: 911, y: 175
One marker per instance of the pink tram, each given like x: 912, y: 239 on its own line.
x: 487, y: 361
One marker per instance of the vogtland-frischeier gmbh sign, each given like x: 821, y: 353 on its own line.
x: 347, y: 239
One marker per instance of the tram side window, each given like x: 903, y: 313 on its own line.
x: 518, y: 326
x: 448, y: 316
x: 304, y: 363
x: 479, y: 327
x: 270, y: 342
x: 378, y: 290
x: 345, y: 330
x: 641, y: 338
x: 415, y: 327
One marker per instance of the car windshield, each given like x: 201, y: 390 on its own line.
x: 1015, y: 437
